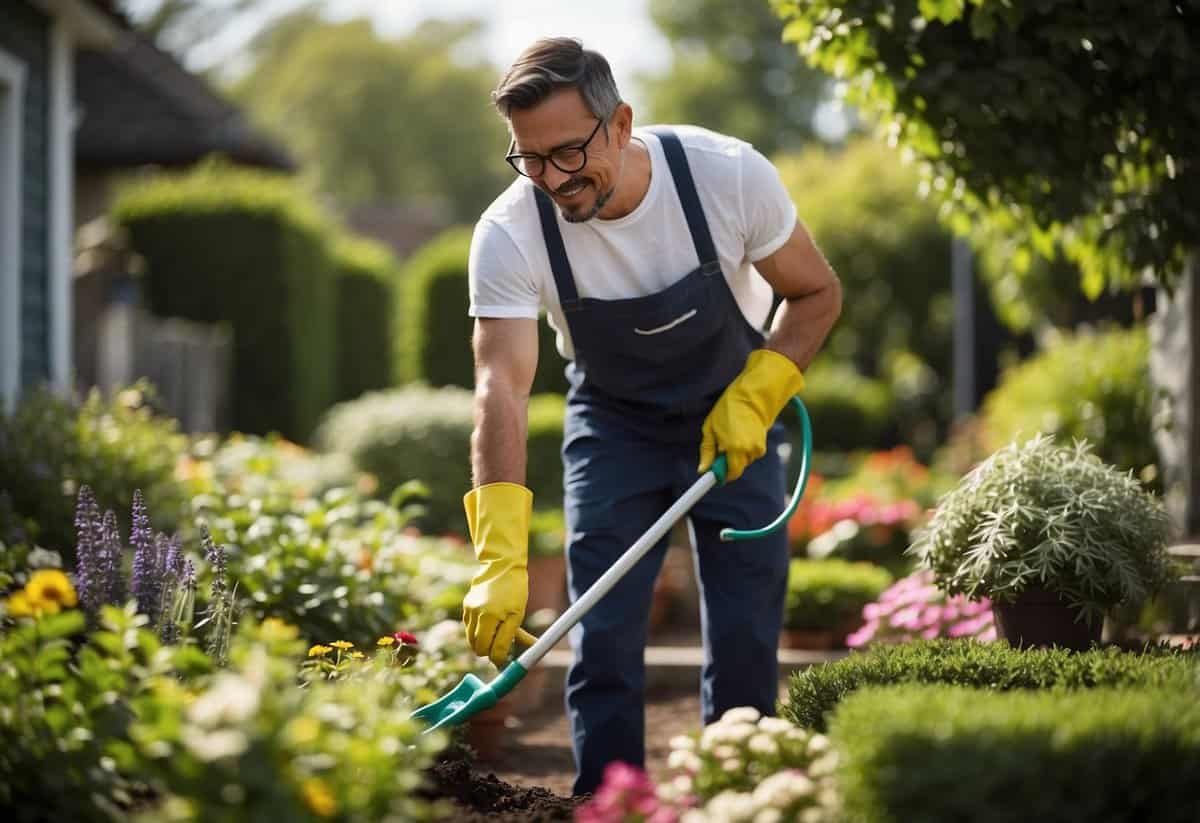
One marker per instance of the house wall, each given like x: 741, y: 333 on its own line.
x: 25, y: 36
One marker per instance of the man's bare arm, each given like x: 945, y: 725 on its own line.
x: 506, y: 354
x: 812, y: 297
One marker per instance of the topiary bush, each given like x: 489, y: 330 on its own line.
x: 423, y: 433
x: 51, y: 446
x: 1091, y: 386
x: 247, y: 248
x: 830, y: 594
x: 366, y: 272
x: 814, y: 692
x: 434, y: 344
x: 847, y: 410
x: 937, y: 753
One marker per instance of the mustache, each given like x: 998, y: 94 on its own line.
x: 570, y: 184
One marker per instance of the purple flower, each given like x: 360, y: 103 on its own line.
x: 145, y: 555
x: 112, y: 589
x: 88, y: 557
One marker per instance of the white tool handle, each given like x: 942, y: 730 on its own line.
x: 530, y: 657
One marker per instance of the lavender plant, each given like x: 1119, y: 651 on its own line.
x: 163, y: 582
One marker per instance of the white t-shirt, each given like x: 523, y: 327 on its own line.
x: 749, y: 212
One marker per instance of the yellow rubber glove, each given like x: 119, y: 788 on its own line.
x: 738, y: 423
x: 498, y: 518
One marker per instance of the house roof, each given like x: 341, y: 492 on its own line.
x: 139, y: 106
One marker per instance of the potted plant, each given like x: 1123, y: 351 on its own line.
x: 825, y: 599
x: 1053, y: 536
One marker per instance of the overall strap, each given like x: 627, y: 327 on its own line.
x: 685, y: 186
x: 568, y: 295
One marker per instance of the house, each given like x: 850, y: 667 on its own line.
x: 38, y: 43
x: 84, y: 100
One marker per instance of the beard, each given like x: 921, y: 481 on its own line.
x: 583, y: 216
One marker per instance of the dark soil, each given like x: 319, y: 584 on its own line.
x: 478, y: 798
x: 530, y: 777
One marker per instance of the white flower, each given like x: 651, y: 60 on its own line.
x: 742, y: 714
x: 823, y: 765
x: 774, y: 725
x: 732, y: 765
x: 683, y: 784
x: 725, y: 751
x: 782, y: 789
x: 769, y: 816
x: 214, y: 745
x: 813, y: 815
x: 818, y: 745
x: 441, y: 634
x: 683, y: 742
x: 230, y: 701
x: 680, y: 760
x: 764, y: 744
x: 722, y: 732
x: 731, y: 807
x: 694, y: 816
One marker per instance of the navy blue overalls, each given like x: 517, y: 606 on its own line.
x: 647, y: 370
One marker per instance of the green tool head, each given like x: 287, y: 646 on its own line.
x: 468, y: 698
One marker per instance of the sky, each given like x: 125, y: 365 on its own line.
x: 621, y: 30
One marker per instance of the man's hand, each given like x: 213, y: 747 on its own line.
x: 738, y: 423
x: 498, y: 519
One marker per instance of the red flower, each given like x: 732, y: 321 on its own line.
x: 407, y: 638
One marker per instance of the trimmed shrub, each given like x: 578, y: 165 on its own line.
x: 937, y: 753
x: 434, y: 344
x: 1089, y: 386
x: 50, y: 447
x: 544, y: 466
x: 847, y: 410
x: 246, y: 248
x: 815, y: 692
x: 423, y: 433
x: 365, y: 305
x: 830, y: 594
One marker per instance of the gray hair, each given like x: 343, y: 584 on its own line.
x: 554, y: 63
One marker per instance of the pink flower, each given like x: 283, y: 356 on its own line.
x: 931, y: 632
x: 863, y: 636
x: 406, y: 638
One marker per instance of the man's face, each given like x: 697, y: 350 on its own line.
x: 562, y: 120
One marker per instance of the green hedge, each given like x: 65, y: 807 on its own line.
x: 847, y: 410
x: 830, y: 594
x: 1089, y: 386
x: 813, y: 693
x: 246, y: 248
x: 434, y: 344
x: 366, y: 272
x: 937, y: 753
x: 424, y: 433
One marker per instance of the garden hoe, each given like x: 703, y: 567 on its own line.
x: 472, y: 695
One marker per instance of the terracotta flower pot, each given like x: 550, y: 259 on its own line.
x: 1040, y: 618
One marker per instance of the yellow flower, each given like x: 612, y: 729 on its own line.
x: 342, y: 644
x: 319, y: 651
x: 357, y: 655
x: 385, y: 641
x: 19, y: 606
x: 51, y: 590
x: 274, y: 628
x: 318, y: 798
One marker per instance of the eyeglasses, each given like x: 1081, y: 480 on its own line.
x: 568, y: 159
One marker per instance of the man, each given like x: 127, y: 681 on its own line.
x: 656, y: 253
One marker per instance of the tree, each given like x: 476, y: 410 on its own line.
x: 379, y: 119
x: 1070, y: 125
x: 732, y: 72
